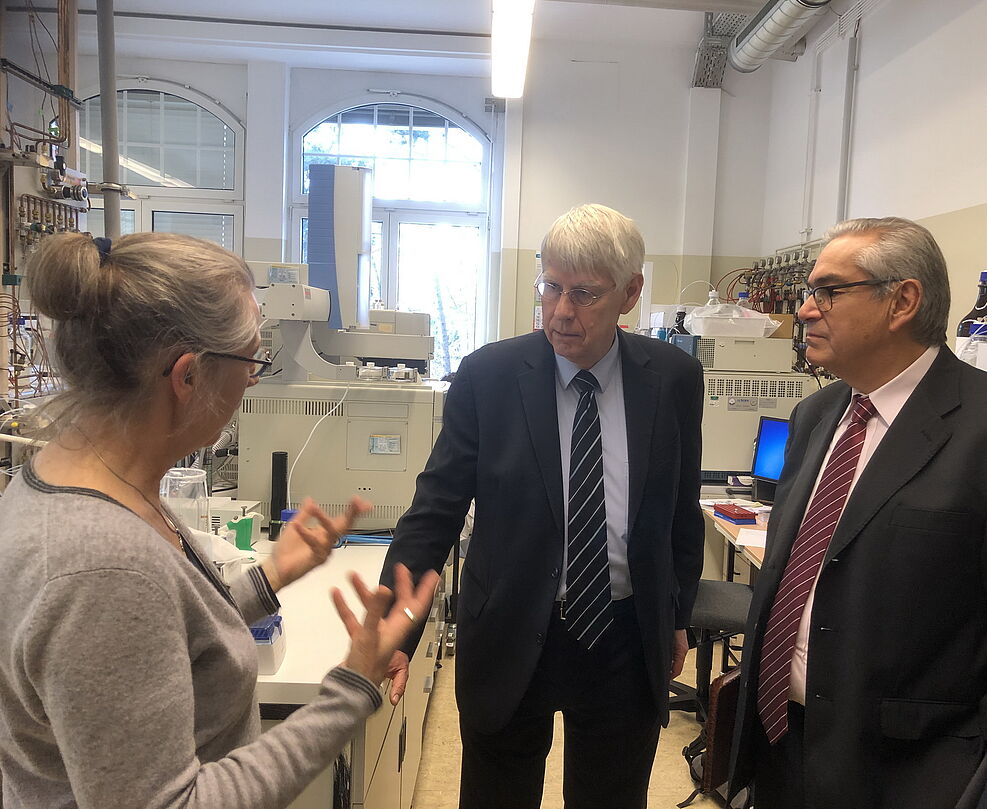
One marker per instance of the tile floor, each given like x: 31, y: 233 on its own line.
x: 438, y: 777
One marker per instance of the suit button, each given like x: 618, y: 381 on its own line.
x: 555, y: 573
x: 540, y: 639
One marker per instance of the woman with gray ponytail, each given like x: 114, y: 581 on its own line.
x: 127, y: 668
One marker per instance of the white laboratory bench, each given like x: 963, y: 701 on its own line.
x: 385, y: 754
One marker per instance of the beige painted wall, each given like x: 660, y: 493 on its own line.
x: 960, y: 235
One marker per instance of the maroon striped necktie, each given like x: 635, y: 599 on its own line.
x: 803, y: 567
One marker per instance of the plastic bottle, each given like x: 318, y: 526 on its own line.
x: 978, y: 314
x: 744, y: 300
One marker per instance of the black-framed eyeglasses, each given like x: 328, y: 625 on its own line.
x: 823, y: 296
x: 579, y: 296
x: 261, y: 361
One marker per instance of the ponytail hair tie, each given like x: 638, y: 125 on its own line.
x: 103, y: 245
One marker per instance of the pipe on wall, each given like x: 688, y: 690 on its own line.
x: 108, y: 94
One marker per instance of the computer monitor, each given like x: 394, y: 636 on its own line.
x: 769, y: 456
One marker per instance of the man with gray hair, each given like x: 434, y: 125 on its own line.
x: 865, y: 657
x: 581, y: 446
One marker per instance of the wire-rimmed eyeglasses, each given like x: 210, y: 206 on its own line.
x: 261, y: 362
x: 823, y: 296
x: 579, y: 296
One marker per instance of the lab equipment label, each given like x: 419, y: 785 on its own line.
x: 385, y: 444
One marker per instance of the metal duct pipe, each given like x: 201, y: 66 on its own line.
x: 108, y: 103
x: 770, y: 29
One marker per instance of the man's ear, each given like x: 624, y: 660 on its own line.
x: 631, y: 293
x: 182, y: 378
x: 906, y: 302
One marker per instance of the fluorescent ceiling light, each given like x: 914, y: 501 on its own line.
x: 511, y: 37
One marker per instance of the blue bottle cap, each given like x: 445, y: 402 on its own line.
x: 287, y: 514
x: 983, y: 277
x: 978, y: 329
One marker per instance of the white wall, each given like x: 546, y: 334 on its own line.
x: 745, y: 127
x: 605, y: 119
x: 919, y: 114
x: 922, y: 109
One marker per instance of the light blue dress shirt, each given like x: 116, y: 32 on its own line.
x: 613, y: 429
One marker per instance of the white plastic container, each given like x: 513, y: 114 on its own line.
x: 271, y: 645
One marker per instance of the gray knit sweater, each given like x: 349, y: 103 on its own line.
x: 127, y: 679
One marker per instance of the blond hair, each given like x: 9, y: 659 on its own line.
x: 595, y: 239
x: 122, y: 315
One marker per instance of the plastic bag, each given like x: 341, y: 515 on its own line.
x: 717, y: 319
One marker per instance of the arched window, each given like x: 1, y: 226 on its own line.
x: 416, y: 154
x: 429, y: 228
x: 184, y: 153
x: 165, y: 141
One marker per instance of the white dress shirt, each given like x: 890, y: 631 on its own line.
x: 888, y: 400
x: 613, y: 432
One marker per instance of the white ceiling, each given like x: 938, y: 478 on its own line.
x: 448, y: 37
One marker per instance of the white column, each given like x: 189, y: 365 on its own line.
x: 266, y: 158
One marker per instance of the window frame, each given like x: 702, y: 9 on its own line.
x: 236, y: 194
x: 145, y: 207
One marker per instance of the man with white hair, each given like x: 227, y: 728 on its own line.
x: 581, y: 446
x: 865, y: 657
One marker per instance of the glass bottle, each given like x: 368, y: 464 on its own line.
x: 978, y: 314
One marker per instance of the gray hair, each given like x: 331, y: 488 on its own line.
x: 596, y: 239
x: 905, y: 249
x: 119, y: 320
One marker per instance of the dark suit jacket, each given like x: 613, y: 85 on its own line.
x: 500, y: 445
x: 896, y: 687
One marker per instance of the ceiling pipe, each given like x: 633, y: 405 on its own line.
x: 769, y: 30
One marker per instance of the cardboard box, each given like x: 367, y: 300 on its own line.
x: 787, y: 328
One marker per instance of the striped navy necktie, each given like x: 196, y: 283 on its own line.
x: 588, y: 604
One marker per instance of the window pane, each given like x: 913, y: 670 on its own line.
x: 323, y: 139
x: 95, y: 222
x: 143, y: 117
x: 428, y: 144
x: 160, y: 134
x: 179, y: 164
x: 392, y: 131
x: 213, y: 132
x: 143, y: 166
x: 391, y: 179
x: 305, y: 240
x: 216, y: 227
x: 215, y: 168
x: 180, y: 121
x: 438, y: 268
x: 463, y: 146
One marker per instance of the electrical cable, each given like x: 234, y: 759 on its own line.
x: 333, y: 411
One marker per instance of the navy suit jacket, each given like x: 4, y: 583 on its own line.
x: 896, y: 684
x: 500, y: 445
